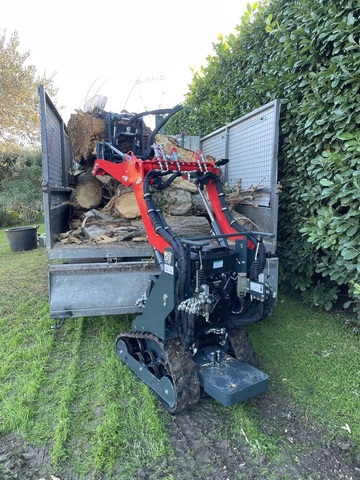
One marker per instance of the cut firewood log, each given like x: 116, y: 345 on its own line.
x: 125, y: 205
x: 87, y: 195
x: 187, y: 226
x: 183, y: 183
x: 174, y: 201
x: 85, y: 129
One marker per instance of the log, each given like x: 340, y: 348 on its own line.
x: 98, y: 230
x: 126, y: 206
x: 174, y: 201
x: 188, y: 226
x: 183, y: 183
x: 87, y: 195
x: 84, y: 130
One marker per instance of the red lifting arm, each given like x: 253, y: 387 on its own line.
x: 132, y: 172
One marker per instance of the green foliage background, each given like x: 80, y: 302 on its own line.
x: 305, y: 53
x: 20, y: 154
x: 19, y: 99
x: 20, y: 187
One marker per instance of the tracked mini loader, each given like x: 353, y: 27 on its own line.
x: 192, y: 332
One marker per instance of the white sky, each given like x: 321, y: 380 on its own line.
x: 139, y: 54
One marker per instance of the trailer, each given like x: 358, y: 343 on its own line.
x: 84, y: 280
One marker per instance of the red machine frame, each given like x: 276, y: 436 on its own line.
x: 132, y: 172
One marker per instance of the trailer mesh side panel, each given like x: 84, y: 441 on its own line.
x: 56, y: 161
x: 251, y: 143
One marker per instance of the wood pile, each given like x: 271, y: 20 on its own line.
x: 105, y: 211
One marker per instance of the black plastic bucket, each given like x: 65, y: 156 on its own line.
x: 22, y: 238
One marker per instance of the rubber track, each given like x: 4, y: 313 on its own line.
x: 179, y: 366
x: 242, y: 346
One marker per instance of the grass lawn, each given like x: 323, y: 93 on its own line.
x: 66, y: 389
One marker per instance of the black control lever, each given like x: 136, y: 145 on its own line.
x: 223, y: 161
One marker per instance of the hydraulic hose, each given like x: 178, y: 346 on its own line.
x: 162, y: 228
x: 260, y: 247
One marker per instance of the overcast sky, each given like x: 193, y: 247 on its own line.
x: 139, y: 54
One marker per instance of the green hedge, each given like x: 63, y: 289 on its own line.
x: 306, y: 53
x: 20, y: 187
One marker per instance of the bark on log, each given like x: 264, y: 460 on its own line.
x: 188, y: 226
x: 174, y: 201
x: 85, y: 129
x: 183, y: 183
x: 198, y: 207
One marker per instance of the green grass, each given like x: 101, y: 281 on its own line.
x: 66, y: 389
x: 313, y: 358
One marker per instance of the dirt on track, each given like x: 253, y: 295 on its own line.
x: 204, y: 452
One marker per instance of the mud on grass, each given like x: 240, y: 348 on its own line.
x: 206, y: 447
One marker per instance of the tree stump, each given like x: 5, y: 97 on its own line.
x: 84, y: 131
